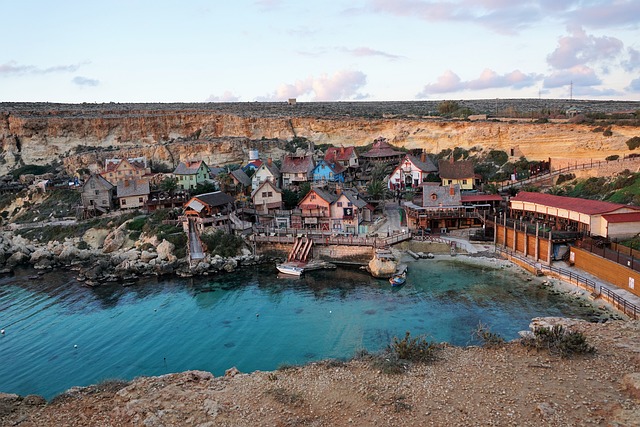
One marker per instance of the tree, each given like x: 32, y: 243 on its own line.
x: 376, y: 190
x: 169, y: 185
x: 446, y: 108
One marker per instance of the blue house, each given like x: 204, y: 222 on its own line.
x: 329, y: 172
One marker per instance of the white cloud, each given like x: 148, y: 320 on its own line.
x: 579, y: 48
x: 13, y: 68
x: 342, y: 85
x: 489, y: 79
x: 227, y: 96
x: 85, y: 81
x: 580, y: 76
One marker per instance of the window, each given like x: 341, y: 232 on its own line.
x: 93, y: 184
x: 97, y: 192
x: 270, y: 194
x: 123, y: 202
x: 339, y: 204
x: 349, y: 204
x: 264, y: 194
x: 464, y: 181
x: 450, y: 181
x: 140, y: 200
x: 313, y: 197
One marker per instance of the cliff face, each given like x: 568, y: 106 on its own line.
x: 170, y: 135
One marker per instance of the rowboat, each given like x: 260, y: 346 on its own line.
x: 290, y: 269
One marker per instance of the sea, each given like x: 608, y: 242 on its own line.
x: 59, y: 334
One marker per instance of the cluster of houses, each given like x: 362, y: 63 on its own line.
x: 335, y: 203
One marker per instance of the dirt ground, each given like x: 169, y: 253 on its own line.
x: 508, y: 386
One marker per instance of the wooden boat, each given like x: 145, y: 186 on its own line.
x: 290, y: 269
x: 398, y: 279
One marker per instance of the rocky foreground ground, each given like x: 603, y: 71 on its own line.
x: 507, y: 386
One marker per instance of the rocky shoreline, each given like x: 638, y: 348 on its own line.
x: 111, y: 258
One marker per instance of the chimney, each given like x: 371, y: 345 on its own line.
x: 423, y: 157
x: 341, y: 150
x: 338, y: 190
x: 269, y: 161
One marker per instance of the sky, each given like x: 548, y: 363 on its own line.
x: 331, y: 50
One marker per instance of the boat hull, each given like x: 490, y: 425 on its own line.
x: 289, y: 269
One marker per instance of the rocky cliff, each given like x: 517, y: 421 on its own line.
x: 223, y: 133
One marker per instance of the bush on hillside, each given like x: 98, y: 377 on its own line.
x: 633, y: 143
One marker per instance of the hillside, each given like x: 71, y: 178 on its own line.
x: 32, y: 133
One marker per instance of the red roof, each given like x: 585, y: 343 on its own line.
x: 472, y: 198
x: 623, y: 217
x: 585, y: 206
x: 381, y: 149
x: 335, y: 154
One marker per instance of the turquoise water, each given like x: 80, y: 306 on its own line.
x: 251, y: 319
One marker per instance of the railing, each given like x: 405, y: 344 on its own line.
x: 618, y: 302
x: 549, y: 174
x: 326, y: 238
x: 616, y: 256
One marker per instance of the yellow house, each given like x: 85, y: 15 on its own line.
x: 457, y: 173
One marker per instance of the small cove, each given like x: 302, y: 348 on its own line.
x: 251, y: 319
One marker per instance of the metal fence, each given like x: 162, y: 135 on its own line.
x: 619, y: 302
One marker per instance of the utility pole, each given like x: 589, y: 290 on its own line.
x: 571, y: 91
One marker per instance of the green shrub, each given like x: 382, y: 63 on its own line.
x: 498, y: 157
x: 612, y: 157
x: 221, y: 243
x: 633, y: 143
x: 487, y: 338
x: 607, y: 132
x: 413, y: 349
x: 137, y: 224
x: 559, y: 341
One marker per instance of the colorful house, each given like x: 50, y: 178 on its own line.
x: 296, y: 169
x: 267, y: 198
x: 241, y: 181
x: 411, y: 172
x: 328, y: 172
x: 116, y: 170
x: 382, y: 152
x: 315, y: 210
x: 191, y: 173
x: 133, y: 194
x: 345, y: 156
x: 97, y: 194
x: 266, y: 172
x: 348, y: 211
x: 457, y: 173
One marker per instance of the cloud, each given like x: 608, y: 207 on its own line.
x: 605, y: 13
x: 341, y: 85
x: 580, y: 75
x: 85, y: 81
x: 12, y: 68
x: 633, y: 62
x: 365, y: 51
x: 579, y: 48
x: 509, y: 17
x: 489, y: 79
x: 225, y: 97
x: 634, y: 86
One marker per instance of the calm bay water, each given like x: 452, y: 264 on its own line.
x: 251, y: 319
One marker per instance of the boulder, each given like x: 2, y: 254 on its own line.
x: 114, y: 241
x: 95, y: 237
x: 147, y: 256
x: 165, y: 251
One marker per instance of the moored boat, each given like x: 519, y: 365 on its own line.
x: 293, y: 270
x: 398, y: 279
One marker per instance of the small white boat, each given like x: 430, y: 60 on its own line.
x: 289, y: 269
x: 398, y: 279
